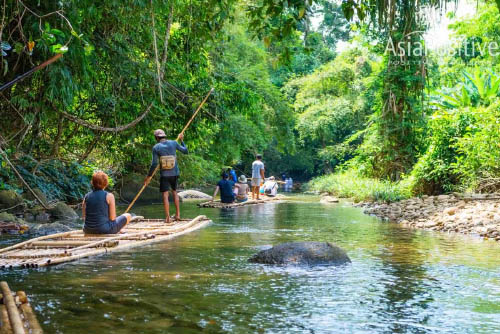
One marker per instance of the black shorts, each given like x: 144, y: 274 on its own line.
x: 168, y: 182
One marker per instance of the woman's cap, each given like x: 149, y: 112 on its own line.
x: 242, y: 179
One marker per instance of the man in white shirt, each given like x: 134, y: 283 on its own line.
x: 257, y: 176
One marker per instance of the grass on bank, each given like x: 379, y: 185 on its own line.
x: 349, y: 184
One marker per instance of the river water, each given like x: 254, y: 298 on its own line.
x: 400, y: 280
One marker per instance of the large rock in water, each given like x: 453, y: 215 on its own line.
x: 305, y: 253
x: 51, y: 228
x: 328, y: 200
x: 132, y: 183
x: 193, y: 194
x: 9, y: 199
x: 63, y: 211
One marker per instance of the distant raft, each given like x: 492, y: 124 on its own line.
x: 16, y: 314
x: 73, y: 245
x: 220, y: 205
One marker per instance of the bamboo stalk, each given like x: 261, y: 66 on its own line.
x: 44, y: 237
x: 29, y: 258
x: 125, y: 246
x: 166, y: 229
x: 10, y: 304
x: 29, y: 315
x: 4, y: 318
x: 68, y: 243
x: 36, y: 256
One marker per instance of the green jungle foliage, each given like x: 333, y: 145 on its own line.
x: 458, y: 148
x: 386, y: 125
x: 110, y: 73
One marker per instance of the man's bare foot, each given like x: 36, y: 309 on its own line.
x: 167, y: 220
x: 177, y: 219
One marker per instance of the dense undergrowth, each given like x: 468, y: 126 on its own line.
x: 350, y: 184
x: 57, y: 180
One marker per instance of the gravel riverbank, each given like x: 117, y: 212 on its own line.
x: 475, y: 214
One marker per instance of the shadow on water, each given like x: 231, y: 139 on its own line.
x: 400, y: 280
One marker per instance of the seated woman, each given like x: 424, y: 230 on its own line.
x: 99, y: 210
x: 226, y: 189
x: 241, y: 189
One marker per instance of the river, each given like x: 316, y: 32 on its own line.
x: 400, y: 280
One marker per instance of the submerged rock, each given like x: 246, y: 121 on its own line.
x: 51, y: 228
x: 329, y: 199
x: 10, y: 218
x: 63, y: 211
x: 302, y: 253
x: 193, y: 194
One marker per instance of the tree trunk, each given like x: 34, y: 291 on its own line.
x: 166, y: 41
x: 57, y: 140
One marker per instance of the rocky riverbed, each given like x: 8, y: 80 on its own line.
x: 475, y: 214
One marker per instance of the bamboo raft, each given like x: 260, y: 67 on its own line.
x: 73, y: 245
x: 220, y: 205
x: 16, y: 314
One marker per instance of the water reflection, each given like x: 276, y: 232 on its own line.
x: 400, y: 281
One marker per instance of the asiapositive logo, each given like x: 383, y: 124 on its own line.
x: 413, y: 45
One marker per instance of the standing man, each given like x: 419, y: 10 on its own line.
x: 164, y: 152
x: 257, y: 176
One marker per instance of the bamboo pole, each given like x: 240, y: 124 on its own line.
x: 33, y: 70
x: 165, y: 229
x: 4, y: 318
x: 32, y: 259
x: 10, y: 304
x: 69, y: 243
x: 44, y: 237
x: 124, y: 246
x: 29, y: 315
x: 181, y: 133
x: 196, y: 112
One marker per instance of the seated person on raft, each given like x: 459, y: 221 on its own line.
x: 226, y: 189
x: 99, y: 210
x: 241, y: 189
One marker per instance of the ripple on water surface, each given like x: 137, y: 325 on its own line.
x: 400, y: 280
